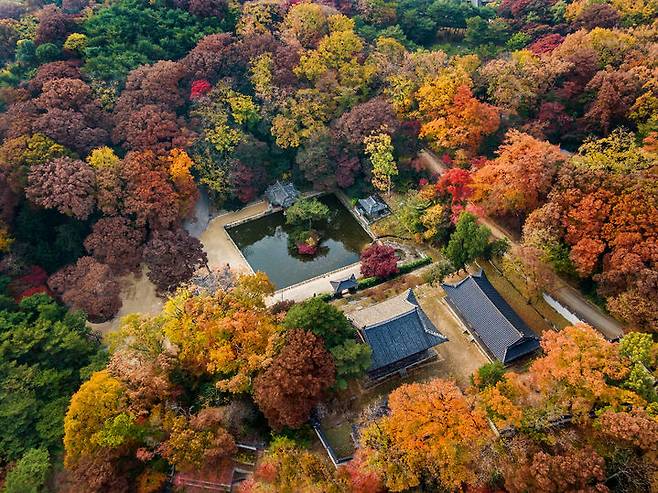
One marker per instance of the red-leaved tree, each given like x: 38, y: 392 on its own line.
x: 295, y: 381
x: 89, y: 286
x: 379, y: 261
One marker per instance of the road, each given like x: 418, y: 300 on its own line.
x: 567, y: 295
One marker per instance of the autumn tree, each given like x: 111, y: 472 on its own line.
x: 151, y: 194
x: 433, y: 430
x: 305, y: 24
x: 379, y: 261
x: 517, y: 83
x: 54, y: 25
x: 109, y: 190
x: 287, y: 467
x: 326, y: 321
x: 296, y: 381
x: 18, y: 155
x: 365, y: 119
x: 89, y: 286
x: 455, y: 184
x: 156, y: 84
x: 570, y: 469
x: 71, y: 114
x: 150, y: 127
x: 65, y: 69
x: 212, y: 56
x: 172, y: 257
x: 65, y: 184
x: 464, y: 123
x: 379, y: 149
x: 616, y: 91
x: 198, y: 441
x: 99, y: 399
x: 578, y: 366
x: 116, y: 242
x: 223, y: 335
x: 517, y: 181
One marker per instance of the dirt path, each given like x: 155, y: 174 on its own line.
x: 317, y: 285
x: 432, y: 162
x: 137, y: 296
x: 218, y: 245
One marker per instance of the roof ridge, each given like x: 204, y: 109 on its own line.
x: 395, y: 317
x: 521, y: 335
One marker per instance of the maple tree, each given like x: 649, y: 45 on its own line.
x: 65, y: 184
x: 216, y: 338
x: 517, y: 181
x: 172, y: 257
x: 463, y: 124
x: 296, y: 380
x: 379, y: 261
x: 578, y: 365
x: 432, y: 429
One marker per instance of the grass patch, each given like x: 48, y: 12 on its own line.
x: 340, y: 439
x: 538, y: 315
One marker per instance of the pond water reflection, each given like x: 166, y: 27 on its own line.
x: 264, y: 243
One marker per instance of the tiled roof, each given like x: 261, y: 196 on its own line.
x: 494, y: 322
x: 281, y: 194
x: 343, y: 284
x: 371, y: 205
x: 396, y: 329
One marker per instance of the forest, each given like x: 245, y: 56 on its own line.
x: 117, y: 115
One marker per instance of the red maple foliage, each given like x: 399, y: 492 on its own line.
x: 379, y: 261
x: 199, y: 88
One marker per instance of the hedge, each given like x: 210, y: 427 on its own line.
x: 369, y: 282
x: 414, y: 264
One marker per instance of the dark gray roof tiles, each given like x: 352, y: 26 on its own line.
x: 372, y: 205
x: 343, y: 284
x: 398, y: 335
x: 282, y: 194
x: 494, y: 322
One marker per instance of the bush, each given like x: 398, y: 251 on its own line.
x: 414, y: 264
x: 368, y: 282
x: 47, y: 52
x: 438, y: 272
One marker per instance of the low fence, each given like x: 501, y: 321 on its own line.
x: 561, y: 309
x: 335, y: 460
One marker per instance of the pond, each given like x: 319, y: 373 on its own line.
x: 264, y: 243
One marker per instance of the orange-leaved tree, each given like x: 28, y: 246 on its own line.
x: 432, y: 429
